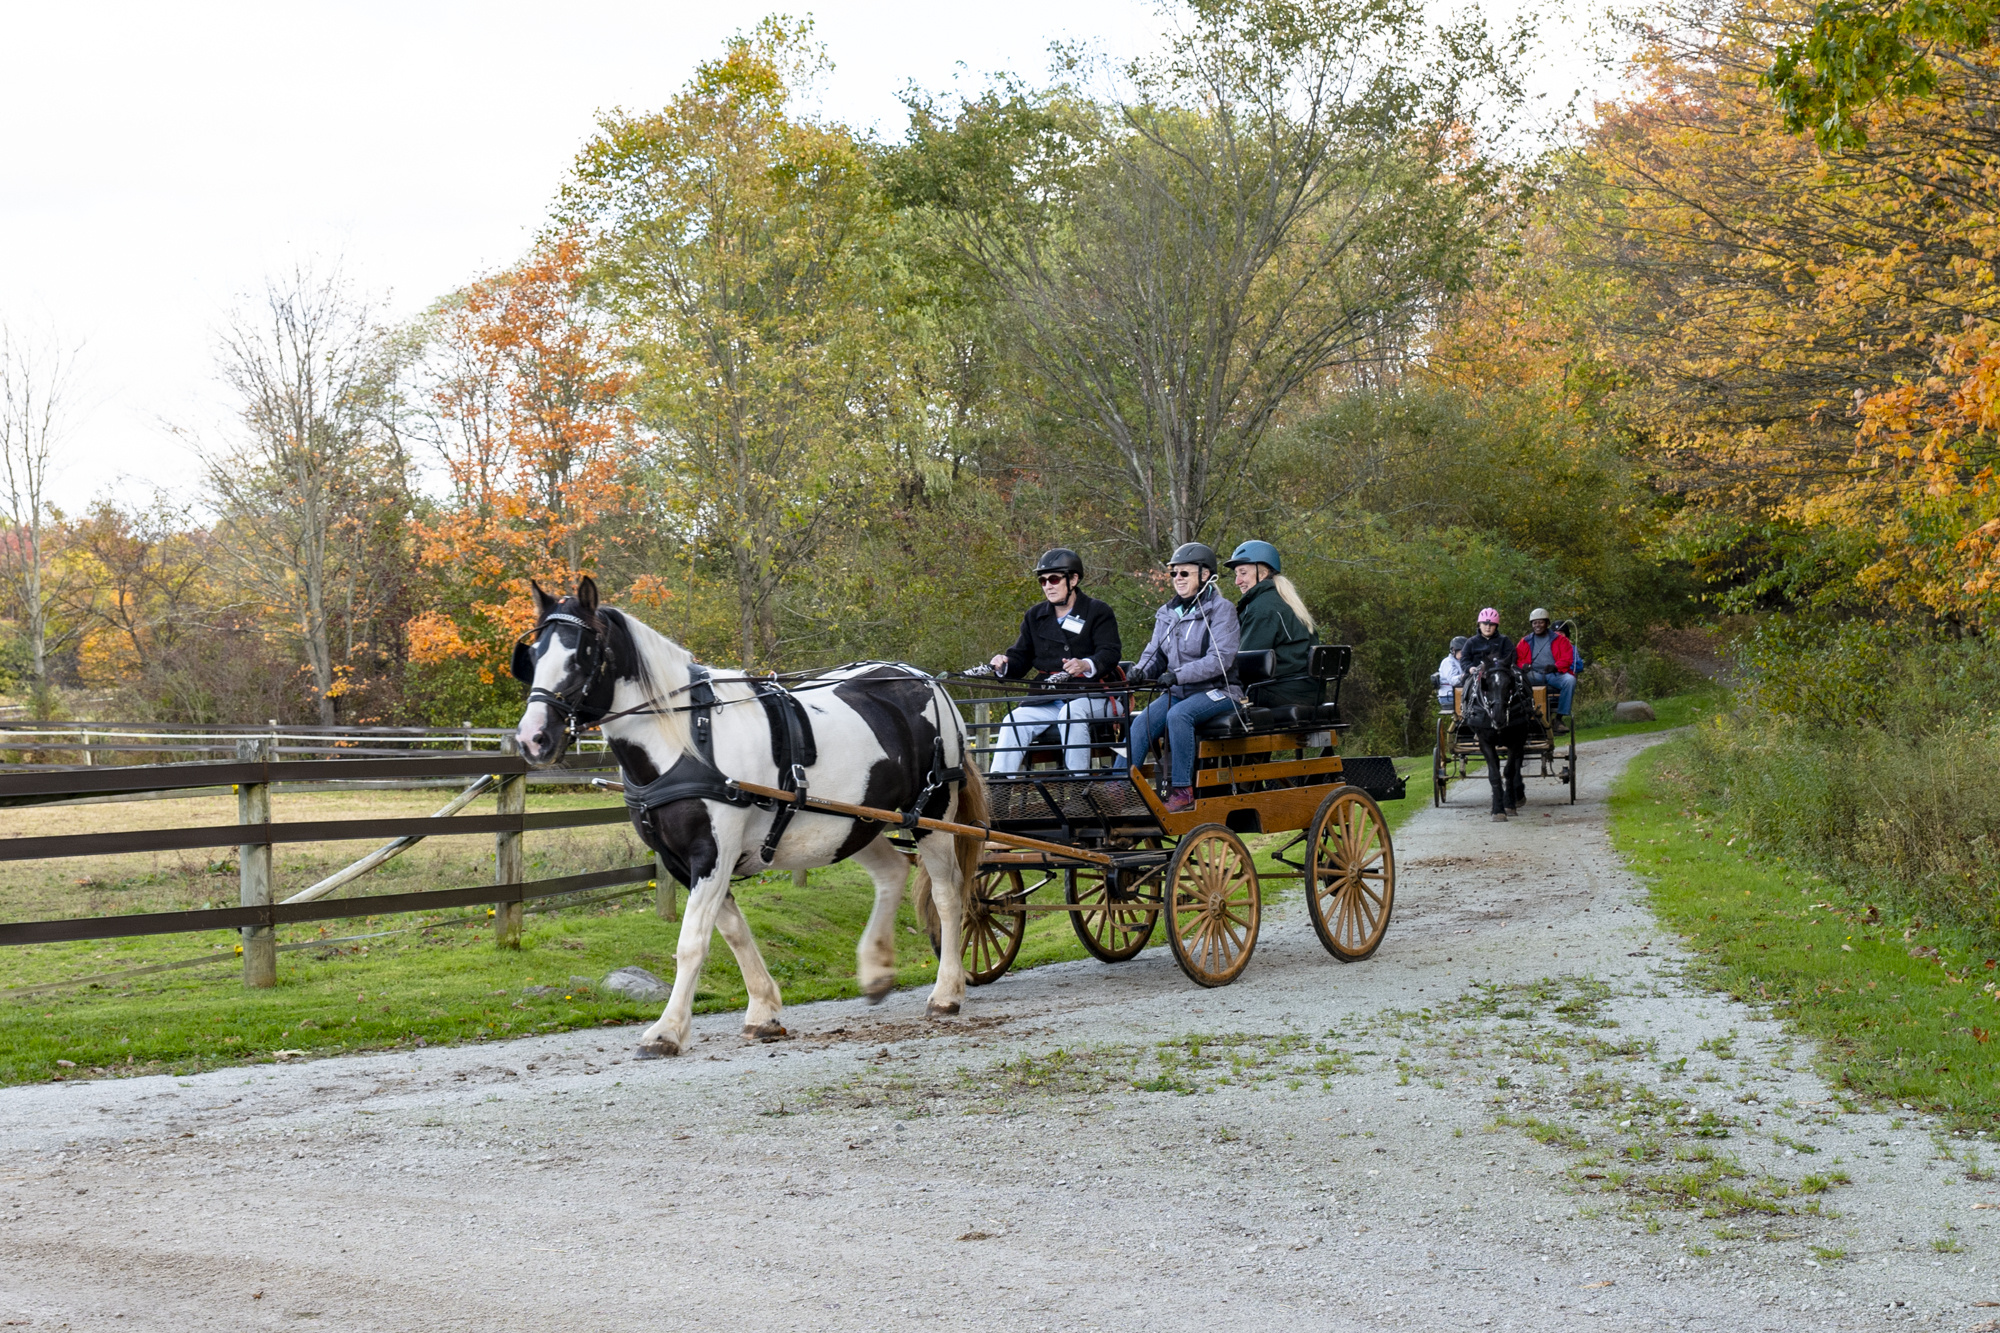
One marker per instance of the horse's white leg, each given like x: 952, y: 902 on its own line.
x: 670, y: 1035
x: 947, y: 894
x: 875, y: 956
x: 760, y: 1021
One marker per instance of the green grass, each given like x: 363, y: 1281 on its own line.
x: 1679, y: 710
x: 448, y: 984
x: 1890, y: 1027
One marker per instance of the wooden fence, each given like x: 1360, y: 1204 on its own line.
x: 252, y: 773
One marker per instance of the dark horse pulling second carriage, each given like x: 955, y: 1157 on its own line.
x: 1101, y: 846
x: 1496, y: 716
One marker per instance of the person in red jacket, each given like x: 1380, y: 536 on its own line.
x: 1549, y: 658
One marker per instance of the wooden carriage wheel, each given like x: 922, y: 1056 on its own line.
x: 1351, y: 871
x: 1572, y: 759
x: 1213, y: 906
x: 992, y: 931
x: 1440, y: 773
x: 1108, y: 929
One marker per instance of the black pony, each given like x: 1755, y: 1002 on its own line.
x: 1497, y: 708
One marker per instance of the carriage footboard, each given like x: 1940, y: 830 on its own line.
x: 1374, y: 774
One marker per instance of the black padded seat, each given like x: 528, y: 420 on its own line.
x: 1221, y: 727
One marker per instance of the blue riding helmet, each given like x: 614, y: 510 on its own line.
x: 1255, y: 553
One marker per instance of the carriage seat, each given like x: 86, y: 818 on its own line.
x: 1255, y: 721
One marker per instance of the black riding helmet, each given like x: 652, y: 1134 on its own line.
x: 1059, y: 560
x: 1193, y: 553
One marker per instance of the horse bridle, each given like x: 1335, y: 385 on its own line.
x: 589, y: 659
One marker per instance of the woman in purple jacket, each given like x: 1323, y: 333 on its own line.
x: 1189, y: 656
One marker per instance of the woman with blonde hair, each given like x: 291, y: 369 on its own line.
x: 1272, y: 615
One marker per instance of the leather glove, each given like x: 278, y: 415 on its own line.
x: 1165, y: 680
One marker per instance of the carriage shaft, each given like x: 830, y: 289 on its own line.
x: 819, y: 805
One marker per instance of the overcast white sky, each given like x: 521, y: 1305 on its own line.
x: 157, y: 161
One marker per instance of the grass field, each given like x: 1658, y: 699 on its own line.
x: 1903, y: 1013
x: 401, y: 985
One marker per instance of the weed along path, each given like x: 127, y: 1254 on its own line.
x: 1517, y: 1116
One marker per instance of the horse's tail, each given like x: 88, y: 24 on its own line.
x: 965, y: 847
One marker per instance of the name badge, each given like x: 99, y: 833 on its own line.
x: 1073, y: 623
x: 1218, y: 695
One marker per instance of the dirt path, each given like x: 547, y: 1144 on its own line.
x: 1321, y: 1147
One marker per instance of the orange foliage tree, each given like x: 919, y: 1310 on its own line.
x: 529, y: 419
x: 1801, y: 330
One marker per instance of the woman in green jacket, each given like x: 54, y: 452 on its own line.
x: 1272, y: 616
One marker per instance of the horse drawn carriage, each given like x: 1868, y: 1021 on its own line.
x: 1100, y: 845
x: 1530, y: 729
x: 724, y: 775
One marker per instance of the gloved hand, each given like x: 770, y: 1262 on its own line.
x: 1165, y: 680
x: 1137, y: 675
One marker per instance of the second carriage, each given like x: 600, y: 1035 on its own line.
x: 1546, y: 751
x: 1100, y: 846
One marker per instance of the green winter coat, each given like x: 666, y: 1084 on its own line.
x: 1268, y: 623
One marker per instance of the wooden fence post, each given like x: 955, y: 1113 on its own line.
x: 798, y: 879
x: 664, y: 906
x: 507, y: 858
x: 981, y: 712
x: 253, y: 861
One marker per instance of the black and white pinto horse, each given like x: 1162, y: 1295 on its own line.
x: 881, y: 735
x: 1496, y: 708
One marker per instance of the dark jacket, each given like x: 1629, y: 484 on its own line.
x: 1499, y: 649
x: 1044, y: 643
x: 1264, y: 622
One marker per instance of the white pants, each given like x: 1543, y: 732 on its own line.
x: 1072, y: 717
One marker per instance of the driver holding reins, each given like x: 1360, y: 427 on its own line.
x: 1067, y: 638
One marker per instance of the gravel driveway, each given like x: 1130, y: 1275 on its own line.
x: 1514, y: 1117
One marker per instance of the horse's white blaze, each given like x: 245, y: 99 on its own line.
x: 848, y: 751
x: 539, y: 720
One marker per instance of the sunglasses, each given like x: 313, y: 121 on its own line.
x: 1054, y: 578
x: 1186, y: 573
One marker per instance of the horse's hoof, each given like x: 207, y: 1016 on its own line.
x: 662, y: 1049
x: 878, y: 990
x: 936, y: 1010
x: 771, y: 1031
x: 1499, y: 818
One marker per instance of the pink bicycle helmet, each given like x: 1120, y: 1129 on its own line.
x: 1489, y: 614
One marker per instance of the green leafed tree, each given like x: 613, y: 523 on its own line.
x: 735, y: 240
x: 1276, y: 199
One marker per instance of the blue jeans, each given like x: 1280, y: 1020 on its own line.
x: 1178, y: 718
x: 1564, y: 682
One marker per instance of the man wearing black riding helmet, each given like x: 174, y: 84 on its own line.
x: 1070, y: 639
x: 1189, y: 656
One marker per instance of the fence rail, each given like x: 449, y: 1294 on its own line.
x: 252, y: 774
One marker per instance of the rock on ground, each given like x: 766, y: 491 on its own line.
x: 1633, y: 710
x: 638, y: 984
x: 1453, y: 1135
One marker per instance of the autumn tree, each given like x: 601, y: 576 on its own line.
x: 1775, y: 290
x: 143, y: 580
x: 523, y: 396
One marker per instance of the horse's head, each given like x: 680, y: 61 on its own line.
x: 562, y: 662
x: 1490, y: 698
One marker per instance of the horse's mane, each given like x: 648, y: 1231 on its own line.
x: 660, y: 666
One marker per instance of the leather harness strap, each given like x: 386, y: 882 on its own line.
x: 695, y: 776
